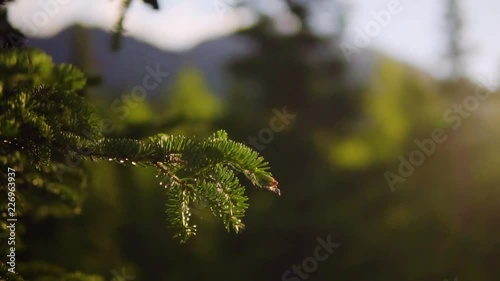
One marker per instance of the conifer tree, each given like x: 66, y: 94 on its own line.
x: 47, y: 129
x: 454, y: 28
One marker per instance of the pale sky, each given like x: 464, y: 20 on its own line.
x: 414, y: 35
x: 178, y: 25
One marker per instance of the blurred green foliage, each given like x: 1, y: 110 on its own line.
x: 48, y: 128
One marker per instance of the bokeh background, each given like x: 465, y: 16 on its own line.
x: 359, y: 110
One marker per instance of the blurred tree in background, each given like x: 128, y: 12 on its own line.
x: 454, y: 37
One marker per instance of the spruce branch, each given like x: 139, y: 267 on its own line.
x: 45, y: 120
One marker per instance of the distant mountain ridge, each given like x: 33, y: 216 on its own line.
x: 125, y: 69
x: 90, y: 50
